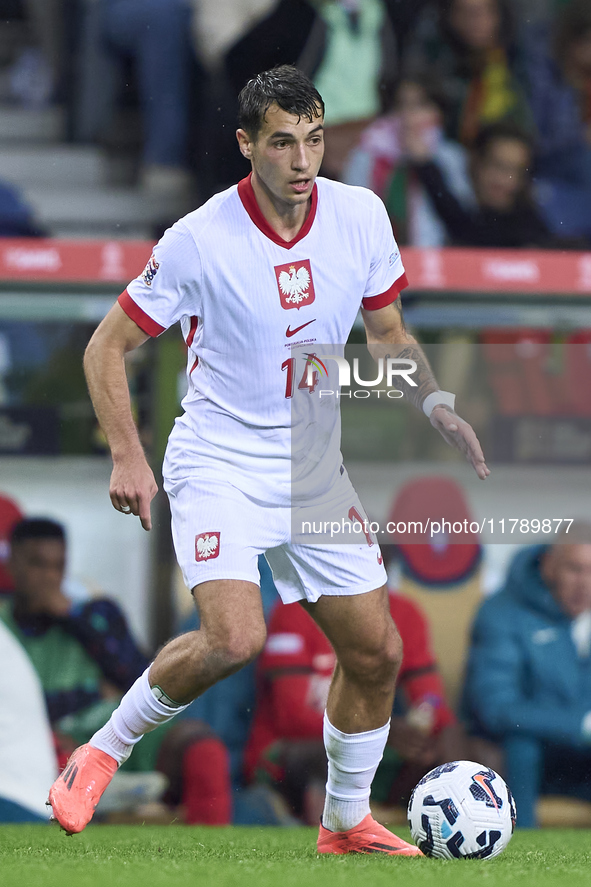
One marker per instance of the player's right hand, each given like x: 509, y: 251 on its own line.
x: 132, y: 489
x: 459, y: 434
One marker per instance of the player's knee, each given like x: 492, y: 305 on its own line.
x: 237, y: 648
x: 376, y: 664
x: 391, y: 657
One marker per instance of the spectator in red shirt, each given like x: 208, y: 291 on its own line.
x: 294, y: 673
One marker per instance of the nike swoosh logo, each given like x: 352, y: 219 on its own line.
x: 479, y: 778
x: 289, y: 332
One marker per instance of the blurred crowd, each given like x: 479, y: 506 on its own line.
x: 470, y: 118
x: 503, y: 680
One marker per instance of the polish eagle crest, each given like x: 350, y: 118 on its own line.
x: 206, y: 546
x: 294, y: 284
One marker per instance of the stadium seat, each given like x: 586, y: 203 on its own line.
x: 518, y: 372
x: 578, y: 372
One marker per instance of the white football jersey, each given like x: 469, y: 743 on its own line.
x: 251, y: 308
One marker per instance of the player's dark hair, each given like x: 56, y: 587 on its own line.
x: 285, y: 86
x: 37, y: 528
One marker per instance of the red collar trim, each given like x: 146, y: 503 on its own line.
x: 249, y: 201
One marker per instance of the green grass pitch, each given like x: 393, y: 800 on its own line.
x: 154, y: 856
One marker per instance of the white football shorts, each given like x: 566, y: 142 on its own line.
x: 219, y: 532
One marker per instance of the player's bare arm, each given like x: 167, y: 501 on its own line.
x: 385, y: 328
x: 132, y: 485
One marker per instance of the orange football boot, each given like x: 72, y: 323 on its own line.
x: 79, y: 787
x: 367, y: 837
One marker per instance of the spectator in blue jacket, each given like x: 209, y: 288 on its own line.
x: 529, y: 672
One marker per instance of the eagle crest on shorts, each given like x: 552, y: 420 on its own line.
x: 207, y: 546
x: 295, y: 284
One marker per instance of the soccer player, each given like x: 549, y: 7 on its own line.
x: 227, y: 470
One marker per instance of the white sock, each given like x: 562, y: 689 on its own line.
x: 139, y: 712
x: 353, y: 759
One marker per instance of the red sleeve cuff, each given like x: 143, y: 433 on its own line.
x: 372, y: 303
x: 143, y: 320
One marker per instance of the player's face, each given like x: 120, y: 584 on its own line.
x: 568, y: 573
x: 37, y: 567
x: 285, y: 155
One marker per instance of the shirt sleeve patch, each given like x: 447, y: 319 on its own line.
x: 372, y: 303
x: 139, y: 316
x: 150, y: 271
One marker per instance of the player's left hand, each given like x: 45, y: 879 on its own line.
x: 459, y: 434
